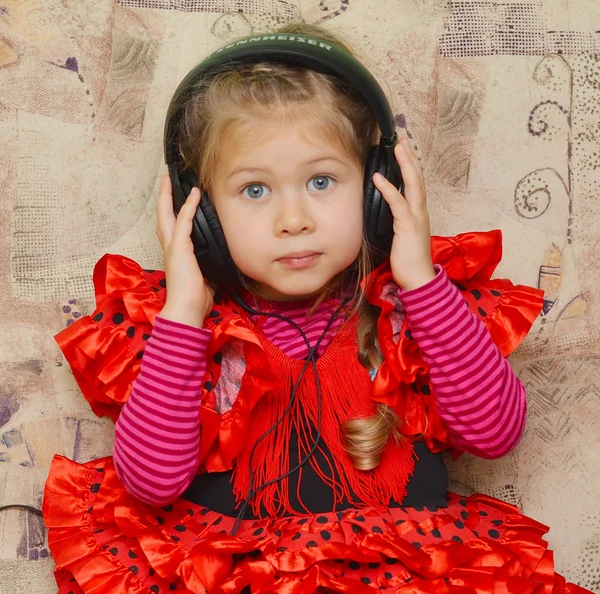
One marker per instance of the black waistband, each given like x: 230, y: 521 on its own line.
x: 427, y: 487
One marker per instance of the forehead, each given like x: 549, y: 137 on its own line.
x: 256, y: 134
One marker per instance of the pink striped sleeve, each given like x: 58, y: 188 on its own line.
x: 476, y: 390
x: 157, y: 435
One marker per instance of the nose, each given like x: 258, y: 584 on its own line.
x: 293, y: 215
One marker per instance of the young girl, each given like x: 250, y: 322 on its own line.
x: 287, y: 437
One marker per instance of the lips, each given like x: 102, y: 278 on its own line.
x: 299, y: 255
x: 299, y: 259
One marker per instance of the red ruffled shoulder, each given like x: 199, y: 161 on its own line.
x: 105, y: 349
x: 226, y: 425
x: 507, y: 310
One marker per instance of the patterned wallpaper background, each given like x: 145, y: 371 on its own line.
x: 502, y: 102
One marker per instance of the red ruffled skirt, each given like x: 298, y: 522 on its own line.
x: 104, y: 541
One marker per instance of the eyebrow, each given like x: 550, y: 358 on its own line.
x: 243, y: 169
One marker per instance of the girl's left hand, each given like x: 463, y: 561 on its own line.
x: 410, y: 258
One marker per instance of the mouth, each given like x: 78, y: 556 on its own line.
x: 299, y: 259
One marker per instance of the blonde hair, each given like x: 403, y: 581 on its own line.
x: 237, y: 96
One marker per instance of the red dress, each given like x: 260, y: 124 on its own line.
x: 105, y: 541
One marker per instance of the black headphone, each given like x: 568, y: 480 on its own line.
x: 209, y: 241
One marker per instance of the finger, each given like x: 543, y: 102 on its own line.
x: 165, y: 216
x: 410, y: 149
x: 414, y: 181
x: 407, y: 158
x: 185, y: 219
x: 398, y: 205
x: 406, y: 144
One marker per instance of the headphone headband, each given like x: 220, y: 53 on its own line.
x: 298, y: 50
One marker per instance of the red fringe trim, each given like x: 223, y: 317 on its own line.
x: 344, y: 382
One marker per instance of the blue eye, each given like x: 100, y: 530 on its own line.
x: 256, y: 191
x: 322, y: 182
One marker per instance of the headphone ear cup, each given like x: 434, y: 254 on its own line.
x: 371, y: 167
x: 210, y: 245
x: 217, y: 265
x: 214, y: 226
x: 378, y: 220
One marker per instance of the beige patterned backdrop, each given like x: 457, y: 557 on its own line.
x: 502, y: 100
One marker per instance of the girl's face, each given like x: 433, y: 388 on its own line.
x: 291, y: 206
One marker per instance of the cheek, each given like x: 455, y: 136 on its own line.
x: 355, y: 220
x: 347, y: 229
x: 355, y: 236
x: 244, y: 240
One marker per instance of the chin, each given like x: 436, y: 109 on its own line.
x: 292, y: 291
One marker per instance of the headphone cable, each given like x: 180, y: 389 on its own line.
x: 310, y: 359
x: 29, y: 508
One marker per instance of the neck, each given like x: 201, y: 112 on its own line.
x: 332, y: 289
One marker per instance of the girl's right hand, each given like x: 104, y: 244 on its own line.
x: 189, y: 296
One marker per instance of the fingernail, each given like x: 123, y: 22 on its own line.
x: 405, y: 142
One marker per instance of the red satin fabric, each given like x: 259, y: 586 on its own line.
x: 105, y: 541
x: 507, y: 310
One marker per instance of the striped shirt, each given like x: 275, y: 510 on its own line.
x: 286, y: 337
x: 477, y: 394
